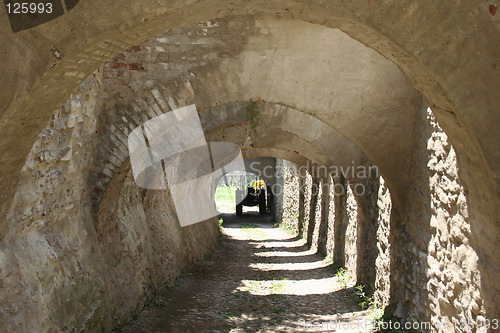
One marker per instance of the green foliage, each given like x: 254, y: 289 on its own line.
x: 221, y: 228
x: 225, y: 194
x: 328, y: 260
x: 249, y: 226
x: 366, y: 302
x: 253, y: 116
x: 343, y: 277
x: 387, y: 316
x: 225, y: 197
x: 278, y: 285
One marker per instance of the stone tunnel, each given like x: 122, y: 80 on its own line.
x: 407, y: 88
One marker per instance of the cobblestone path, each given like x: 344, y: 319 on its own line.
x: 261, y: 279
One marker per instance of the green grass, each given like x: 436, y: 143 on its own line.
x: 278, y: 286
x: 328, y: 260
x: 253, y: 230
x: 343, y: 277
x: 225, y: 198
x: 225, y: 194
x: 249, y: 226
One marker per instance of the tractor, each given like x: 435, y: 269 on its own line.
x: 255, y: 196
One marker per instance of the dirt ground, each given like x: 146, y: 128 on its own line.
x: 261, y: 279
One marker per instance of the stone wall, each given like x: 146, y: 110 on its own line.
x: 50, y: 266
x: 66, y: 266
x: 287, y: 207
x: 351, y: 215
x: 444, y: 283
x: 331, y: 220
x: 449, y: 53
x: 340, y: 210
x: 64, y: 185
x: 383, y: 260
x: 424, y: 249
x: 311, y: 229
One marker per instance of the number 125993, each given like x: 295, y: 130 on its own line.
x: 27, y: 7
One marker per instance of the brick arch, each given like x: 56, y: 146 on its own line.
x: 212, y: 84
x: 229, y: 122
x: 120, y: 158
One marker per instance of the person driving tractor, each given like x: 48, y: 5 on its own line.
x: 258, y: 184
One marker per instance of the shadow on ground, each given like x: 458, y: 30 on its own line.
x: 260, y: 279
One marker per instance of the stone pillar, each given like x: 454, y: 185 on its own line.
x: 341, y: 221
x: 368, y: 218
x: 400, y: 258
x: 312, y: 213
x: 325, y: 211
x: 302, y: 204
x: 278, y: 197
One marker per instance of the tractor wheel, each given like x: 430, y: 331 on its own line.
x: 239, y: 209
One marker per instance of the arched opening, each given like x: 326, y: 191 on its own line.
x: 232, y: 186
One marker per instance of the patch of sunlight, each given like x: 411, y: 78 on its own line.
x: 299, y: 266
x: 263, y: 287
x: 290, y: 287
x: 284, y: 253
x: 313, y: 286
x: 224, y: 199
x: 254, y: 234
x: 284, y: 246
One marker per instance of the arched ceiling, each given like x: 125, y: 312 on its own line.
x: 421, y: 38
x: 279, y: 126
x: 447, y: 51
x: 276, y: 153
x: 297, y: 137
x: 352, y: 101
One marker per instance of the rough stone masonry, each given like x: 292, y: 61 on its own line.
x: 338, y: 83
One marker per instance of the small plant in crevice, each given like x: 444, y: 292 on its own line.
x: 368, y: 303
x: 220, y: 223
x: 376, y: 312
x: 253, y: 116
x: 343, y: 277
x: 328, y: 260
x: 365, y: 301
